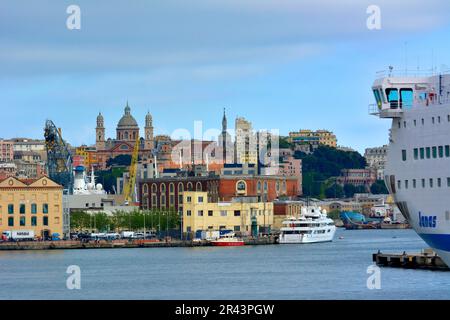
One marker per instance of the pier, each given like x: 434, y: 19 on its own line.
x: 427, y: 260
x: 117, y: 244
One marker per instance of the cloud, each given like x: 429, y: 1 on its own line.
x: 209, y: 38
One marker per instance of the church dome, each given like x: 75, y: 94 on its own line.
x: 127, y: 119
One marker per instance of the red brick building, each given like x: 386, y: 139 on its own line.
x: 166, y: 192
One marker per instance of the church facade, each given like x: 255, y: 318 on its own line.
x: 127, y: 132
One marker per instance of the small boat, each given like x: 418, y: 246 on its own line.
x: 228, y: 240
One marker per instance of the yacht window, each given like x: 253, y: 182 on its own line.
x: 404, y: 155
x: 404, y: 124
x: 383, y: 97
x: 415, y: 122
x: 441, y: 151
x: 447, y: 151
x: 448, y: 182
x: 431, y: 182
x: 434, y: 152
x: 439, y: 119
x: 423, y: 183
x: 392, y: 96
x: 423, y: 121
x: 423, y: 96
x: 422, y: 153
x: 399, y: 184
x: 439, y: 182
x: 406, y: 184
x: 416, y: 153
x: 414, y: 183
x: 406, y: 98
x: 432, y: 120
x: 428, y: 151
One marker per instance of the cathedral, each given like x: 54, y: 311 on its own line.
x: 127, y: 132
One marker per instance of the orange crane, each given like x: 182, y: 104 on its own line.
x: 129, y: 188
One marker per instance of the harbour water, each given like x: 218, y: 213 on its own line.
x: 336, y: 270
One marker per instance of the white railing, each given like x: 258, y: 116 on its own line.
x: 411, y: 73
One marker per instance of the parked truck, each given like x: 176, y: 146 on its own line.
x: 18, y: 235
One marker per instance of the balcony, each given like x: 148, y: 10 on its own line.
x: 385, y: 113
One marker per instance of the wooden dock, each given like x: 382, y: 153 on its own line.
x: 427, y: 259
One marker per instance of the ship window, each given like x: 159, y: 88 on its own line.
x: 428, y: 152
x: 439, y: 119
x: 423, y: 183
x: 441, y: 151
x: 432, y: 120
x: 404, y: 124
x: 392, y: 96
x: 422, y: 153
x: 448, y: 117
x: 416, y: 153
x: 406, y: 98
x: 406, y: 184
x: 448, y: 182
x: 434, y: 152
x: 431, y: 182
x: 399, y: 184
x: 439, y: 182
x: 376, y: 93
x: 414, y: 183
x: 423, y: 121
x: 447, y: 151
x: 404, y: 155
x: 415, y: 122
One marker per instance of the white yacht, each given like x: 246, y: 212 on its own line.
x: 417, y: 171
x: 313, y: 225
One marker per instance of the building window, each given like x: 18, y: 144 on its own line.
x: 200, y: 213
x: 10, y: 208
x: 33, y: 208
x: 163, y: 200
x: 190, y: 187
x: 22, y: 221
x: 45, y: 208
x: 11, y: 222
x: 404, y: 155
x: 200, y: 199
x: 237, y: 228
x: 223, y: 213
x: 188, y: 213
x: 171, y: 188
x: 172, y: 200
x: 210, y: 213
x: 237, y: 213
x: 34, y: 221
x: 189, y: 199
x: 22, y: 208
x: 198, y: 186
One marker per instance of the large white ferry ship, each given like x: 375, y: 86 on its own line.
x: 417, y: 171
x: 312, y: 226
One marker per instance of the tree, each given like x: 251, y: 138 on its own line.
x: 349, y: 190
x: 379, y: 187
x: 334, y: 191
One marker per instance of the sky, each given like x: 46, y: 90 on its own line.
x: 282, y: 64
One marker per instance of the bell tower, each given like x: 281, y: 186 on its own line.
x: 148, y: 139
x: 100, y: 133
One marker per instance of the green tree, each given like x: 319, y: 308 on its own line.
x: 334, y: 191
x: 349, y: 190
x: 379, y: 187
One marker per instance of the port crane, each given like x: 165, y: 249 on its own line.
x: 130, y: 186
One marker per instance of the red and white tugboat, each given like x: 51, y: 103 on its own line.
x: 228, y: 240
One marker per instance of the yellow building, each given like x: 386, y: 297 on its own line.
x: 31, y: 205
x: 321, y: 137
x: 199, y: 214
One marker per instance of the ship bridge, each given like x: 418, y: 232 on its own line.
x: 395, y: 94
